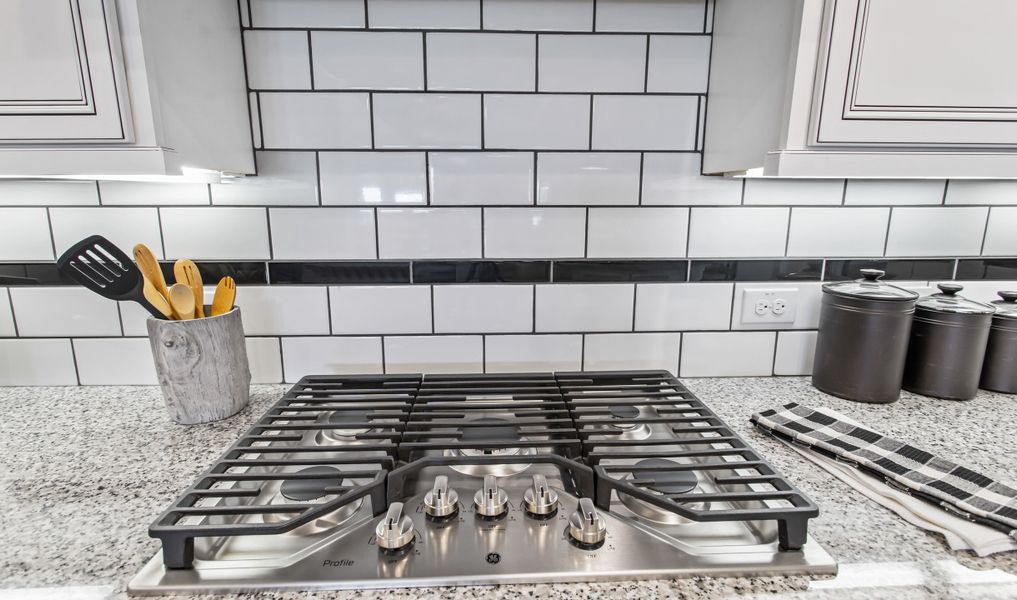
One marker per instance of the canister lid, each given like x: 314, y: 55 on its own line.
x: 1007, y: 307
x: 869, y: 286
x: 948, y: 301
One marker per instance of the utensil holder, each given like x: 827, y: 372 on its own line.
x: 202, y: 366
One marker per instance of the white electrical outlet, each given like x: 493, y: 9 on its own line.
x: 762, y: 306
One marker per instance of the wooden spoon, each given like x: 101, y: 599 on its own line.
x: 187, y: 272
x: 182, y: 299
x: 149, y: 266
x: 157, y: 300
x: 225, y: 294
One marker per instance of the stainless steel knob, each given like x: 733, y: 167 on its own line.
x: 395, y: 531
x: 441, y: 501
x: 492, y: 501
x: 540, y: 500
x: 585, y: 526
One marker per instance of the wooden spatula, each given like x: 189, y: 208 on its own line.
x: 225, y: 294
x: 158, y: 300
x: 149, y: 266
x: 186, y: 272
x: 97, y: 264
x: 182, y: 300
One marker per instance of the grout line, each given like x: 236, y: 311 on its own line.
x: 483, y: 117
x: 773, y: 364
x: 481, y: 4
x: 483, y: 353
x: 646, y: 66
x: 384, y: 367
x: 688, y: 243
x: 787, y: 232
x: 533, y: 306
x: 734, y: 288
x: 317, y: 176
x: 956, y: 266
x: 98, y: 192
x: 432, y: 308
x: 587, y: 33
x: 635, y: 294
x: 468, y: 150
x: 367, y: 19
x: 889, y: 223
x: 699, y: 120
x: 261, y: 122
x: 843, y: 194
x: 593, y: 26
x: 74, y: 359
x: 591, y: 123
x: 370, y: 112
x: 268, y: 273
x: 162, y: 237
x: 120, y: 317
x: 639, y: 193
x: 328, y: 305
x: 14, y: 317
x: 742, y: 201
x: 427, y: 178
x: 423, y: 49
x: 706, y: 15
x: 52, y: 236
x: 946, y: 187
x: 377, y: 237
x: 483, y: 235
x: 208, y: 188
x: 310, y: 58
x: 586, y: 234
x: 411, y: 272
x: 822, y: 270
x: 582, y: 346
x: 681, y: 343
x: 536, y: 180
x: 536, y: 60
x: 282, y: 361
x: 985, y: 232
x: 268, y: 225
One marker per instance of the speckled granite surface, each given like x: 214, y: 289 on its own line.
x: 84, y: 471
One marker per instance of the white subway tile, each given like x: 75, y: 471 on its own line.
x: 848, y: 232
x: 651, y: 15
x: 277, y: 60
x: 678, y: 63
x: 63, y: 311
x: 539, y: 15
x: 587, y: 178
x: 134, y: 319
x: 322, y: 233
x: 315, y: 120
x: 642, y: 232
x: 429, y: 232
x: 304, y: 356
x: 592, y: 63
x: 674, y: 179
x: 425, y: 14
x: 533, y: 353
x: 483, y: 308
x: 738, y: 232
x: 795, y: 351
x: 283, y: 310
x: 123, y: 361
x: 284, y: 178
x: 215, y: 233
x: 887, y: 192
x: 683, y: 306
x: 1001, y: 235
x: 481, y: 61
x: 622, y: 351
x: 584, y: 307
x: 810, y: 298
x: 427, y: 121
x: 963, y: 191
x: 949, y: 231
x: 380, y: 309
x: 545, y: 121
x: 124, y: 227
x: 37, y: 362
x: 644, y: 122
x: 7, y: 328
x: 264, y: 357
x: 534, y: 232
x: 368, y: 60
x: 374, y: 178
x: 24, y: 235
x: 481, y: 177
x: 434, y: 354
x: 48, y: 193
x: 139, y: 193
x: 733, y: 354
x: 979, y: 291
x: 307, y: 13
x: 794, y: 191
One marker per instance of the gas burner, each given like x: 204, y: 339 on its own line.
x: 627, y: 426
x: 496, y: 429
x: 344, y: 432
x: 666, y: 481
x: 312, y: 491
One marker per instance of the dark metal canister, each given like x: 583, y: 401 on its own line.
x: 1000, y: 371
x: 863, y: 339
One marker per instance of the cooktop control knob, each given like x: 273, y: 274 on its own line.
x: 442, y: 501
x: 492, y: 501
x: 395, y: 532
x: 540, y: 500
x: 586, y: 528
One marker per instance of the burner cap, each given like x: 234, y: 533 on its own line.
x: 496, y: 432
x: 623, y: 411
x: 667, y: 482
x: 347, y: 417
x: 305, y: 490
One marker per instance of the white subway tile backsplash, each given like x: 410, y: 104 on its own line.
x: 322, y: 233
x: 981, y: 192
x: 304, y: 356
x: 481, y: 177
x: 375, y: 60
x: 673, y: 178
x: 539, y: 15
x: 125, y: 227
x: 123, y: 361
x: 547, y: 121
x: 847, y: 232
x: 533, y: 353
x: 954, y: 231
x: 678, y: 63
x: 738, y: 232
x: 139, y: 193
x: 373, y: 178
x: 380, y: 309
x: 795, y: 351
x: 683, y: 306
x: 534, y: 232
x: 1001, y: 234
x: 264, y: 357
x: 644, y: 122
x: 7, y: 328
x: 277, y: 60
x: 25, y: 235
x: 292, y: 120
x: 587, y: 178
x: 481, y: 61
x: 215, y: 233
x: 483, y: 308
x: 63, y: 311
x: 896, y: 192
x: 48, y: 193
x: 429, y: 232
x: 584, y: 307
x: 637, y: 232
x: 449, y: 121
x: 592, y: 63
x: 307, y: 13
x: 37, y: 362
x: 810, y: 297
x: 434, y: 354
x: 745, y: 354
x: 284, y: 178
x: 620, y: 351
x: 133, y: 318
x: 794, y: 191
x: 651, y: 15
x: 283, y: 310
x: 425, y: 14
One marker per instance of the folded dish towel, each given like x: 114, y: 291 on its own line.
x: 906, y: 469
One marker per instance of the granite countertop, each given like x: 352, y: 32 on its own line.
x: 85, y: 470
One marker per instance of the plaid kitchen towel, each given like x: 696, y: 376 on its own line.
x: 919, y: 473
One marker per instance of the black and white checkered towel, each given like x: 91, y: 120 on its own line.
x: 919, y: 473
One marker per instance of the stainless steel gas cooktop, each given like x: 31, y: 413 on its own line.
x: 406, y: 480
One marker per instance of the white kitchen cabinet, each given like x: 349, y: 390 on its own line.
x: 863, y: 88
x: 122, y: 88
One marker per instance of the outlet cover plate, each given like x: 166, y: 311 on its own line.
x: 752, y: 296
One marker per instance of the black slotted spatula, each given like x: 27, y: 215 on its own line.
x: 100, y: 266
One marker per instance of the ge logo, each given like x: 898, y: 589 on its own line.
x: 494, y: 558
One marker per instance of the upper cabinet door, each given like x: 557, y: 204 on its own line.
x: 934, y: 73
x: 61, y: 73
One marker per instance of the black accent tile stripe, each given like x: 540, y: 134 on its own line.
x: 319, y: 273
x: 32, y: 274
x: 987, y: 268
x: 482, y: 271
x: 596, y: 271
x: 756, y: 270
x: 902, y: 270
x: 212, y: 271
